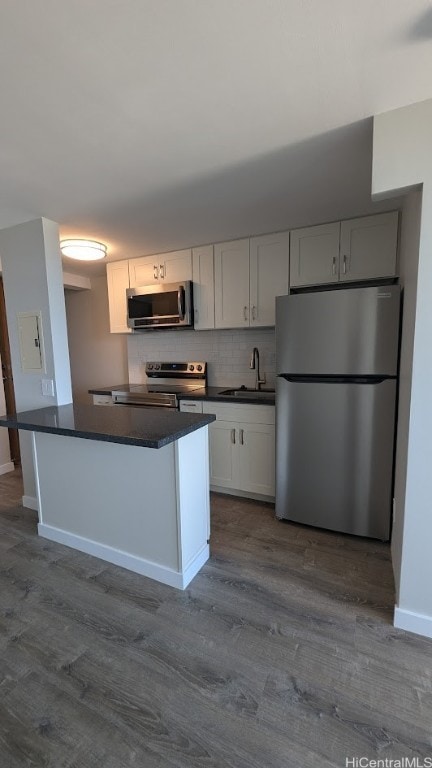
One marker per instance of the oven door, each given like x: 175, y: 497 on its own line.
x: 164, y: 305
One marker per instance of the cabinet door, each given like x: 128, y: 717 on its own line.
x: 223, y: 438
x: 257, y: 458
x: 269, y: 273
x: 232, y: 284
x: 314, y: 255
x: 203, y: 287
x: 176, y: 266
x: 118, y: 282
x: 144, y: 271
x: 368, y: 247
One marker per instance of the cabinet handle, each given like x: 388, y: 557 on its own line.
x: 241, y: 437
x: 254, y: 312
x: 344, y: 268
x: 334, y: 265
x: 155, y: 272
x: 245, y: 311
x: 162, y: 271
x: 233, y: 436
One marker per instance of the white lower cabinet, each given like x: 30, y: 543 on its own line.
x: 103, y: 400
x: 223, y: 454
x: 242, y: 448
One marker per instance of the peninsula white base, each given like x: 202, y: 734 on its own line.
x: 140, y: 508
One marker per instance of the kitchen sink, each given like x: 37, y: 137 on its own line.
x: 252, y: 394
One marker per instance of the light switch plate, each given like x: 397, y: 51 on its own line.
x: 48, y: 387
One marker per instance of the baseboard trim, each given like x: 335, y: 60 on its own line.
x: 124, y: 559
x: 418, y: 623
x: 8, y: 467
x: 195, y: 565
x: 242, y: 494
x: 31, y: 502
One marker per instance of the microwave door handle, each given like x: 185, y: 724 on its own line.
x: 180, y: 302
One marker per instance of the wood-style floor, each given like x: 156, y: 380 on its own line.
x: 280, y: 654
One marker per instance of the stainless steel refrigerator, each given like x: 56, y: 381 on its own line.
x: 336, y: 360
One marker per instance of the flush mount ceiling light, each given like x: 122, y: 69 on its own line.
x: 83, y: 250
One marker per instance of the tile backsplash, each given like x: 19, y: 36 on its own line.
x: 227, y: 353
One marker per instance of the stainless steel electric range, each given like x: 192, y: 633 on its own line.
x: 166, y: 381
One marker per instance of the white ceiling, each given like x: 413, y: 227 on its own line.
x: 158, y: 124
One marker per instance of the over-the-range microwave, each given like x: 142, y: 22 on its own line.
x: 162, y: 305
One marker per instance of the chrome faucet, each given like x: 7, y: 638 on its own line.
x: 254, y: 364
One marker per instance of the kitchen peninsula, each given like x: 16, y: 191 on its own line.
x: 127, y: 485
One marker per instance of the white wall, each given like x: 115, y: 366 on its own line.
x: 402, y: 157
x: 97, y: 357
x: 227, y: 352
x: 409, y: 252
x: 33, y: 282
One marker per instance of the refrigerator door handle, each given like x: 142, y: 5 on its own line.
x: 300, y: 379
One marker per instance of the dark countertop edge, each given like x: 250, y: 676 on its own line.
x: 210, y: 393
x: 106, y: 438
x: 108, y: 390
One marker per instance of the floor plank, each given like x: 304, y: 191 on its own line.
x: 280, y: 653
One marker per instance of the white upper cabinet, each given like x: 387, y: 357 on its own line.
x: 143, y: 271
x: 249, y: 274
x: 368, y: 247
x: 203, y: 287
x: 314, y: 255
x: 353, y: 250
x: 171, y: 267
x: 118, y: 281
x: 269, y: 275
x: 231, y: 262
x: 236, y: 283
x: 176, y: 266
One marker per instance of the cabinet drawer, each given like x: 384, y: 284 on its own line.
x: 102, y: 400
x: 191, y: 406
x: 248, y: 414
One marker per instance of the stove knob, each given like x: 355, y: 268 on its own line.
x: 199, y: 367
x: 150, y: 366
x: 191, y: 367
x: 157, y: 367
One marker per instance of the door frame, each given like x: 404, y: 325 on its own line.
x: 7, y: 376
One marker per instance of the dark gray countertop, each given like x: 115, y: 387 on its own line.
x: 204, y: 393
x: 214, y: 393
x: 145, y: 427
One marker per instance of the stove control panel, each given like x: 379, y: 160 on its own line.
x: 192, y: 370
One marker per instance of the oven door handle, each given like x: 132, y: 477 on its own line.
x: 181, y: 302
